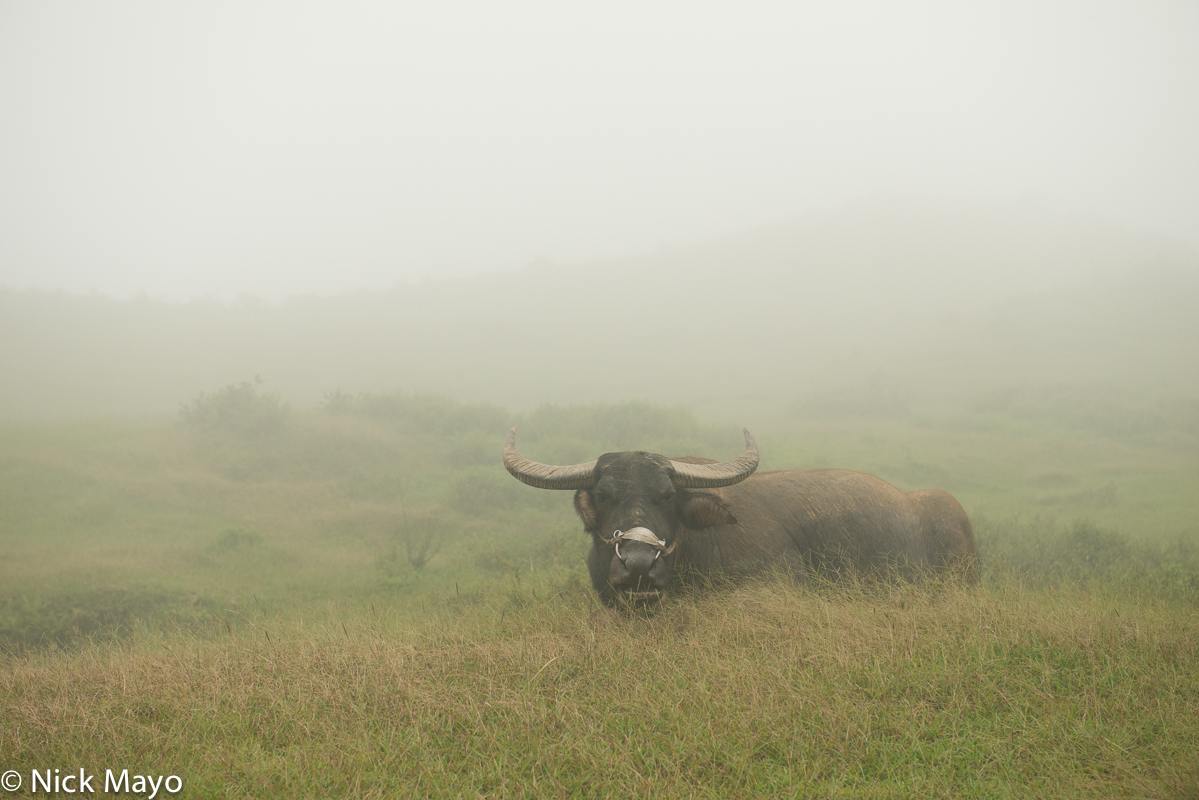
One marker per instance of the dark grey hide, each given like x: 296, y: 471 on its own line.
x: 822, y: 519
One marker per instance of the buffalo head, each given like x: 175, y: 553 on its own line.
x: 633, y: 504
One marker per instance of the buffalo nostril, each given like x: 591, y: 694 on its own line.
x: 639, y: 560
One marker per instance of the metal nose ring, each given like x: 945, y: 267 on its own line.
x: 643, y: 535
x: 657, y: 552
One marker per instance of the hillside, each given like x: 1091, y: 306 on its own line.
x: 920, y: 299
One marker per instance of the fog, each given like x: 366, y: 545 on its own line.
x: 216, y: 150
x: 278, y: 279
x: 765, y: 208
x: 875, y: 307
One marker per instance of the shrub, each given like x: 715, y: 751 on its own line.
x: 415, y: 537
x: 238, y: 410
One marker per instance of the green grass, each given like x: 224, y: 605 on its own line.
x: 766, y: 690
x: 359, y: 601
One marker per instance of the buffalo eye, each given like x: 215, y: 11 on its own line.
x: 667, y: 497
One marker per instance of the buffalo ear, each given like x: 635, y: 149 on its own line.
x: 585, y: 508
x: 702, y: 510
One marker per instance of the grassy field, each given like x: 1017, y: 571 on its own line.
x: 359, y: 601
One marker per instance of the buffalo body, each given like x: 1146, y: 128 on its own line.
x: 655, y: 520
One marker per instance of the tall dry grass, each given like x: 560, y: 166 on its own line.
x: 771, y: 689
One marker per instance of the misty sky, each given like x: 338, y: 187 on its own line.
x: 184, y: 149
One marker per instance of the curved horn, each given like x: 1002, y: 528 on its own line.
x: 726, y: 473
x: 545, y: 476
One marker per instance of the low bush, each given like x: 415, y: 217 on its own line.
x: 238, y: 410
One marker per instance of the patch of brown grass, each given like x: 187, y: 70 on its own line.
x: 771, y: 688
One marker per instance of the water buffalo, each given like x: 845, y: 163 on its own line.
x: 650, y: 516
